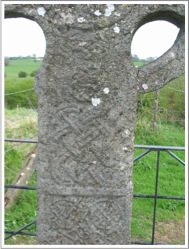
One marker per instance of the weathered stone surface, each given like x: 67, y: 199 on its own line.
x: 87, y: 88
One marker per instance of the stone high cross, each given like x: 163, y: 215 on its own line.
x: 87, y: 88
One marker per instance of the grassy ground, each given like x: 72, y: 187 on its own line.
x: 171, y: 182
x: 21, y: 122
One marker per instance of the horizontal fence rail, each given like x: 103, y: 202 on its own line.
x: 17, y: 140
x: 12, y: 233
x: 149, y: 148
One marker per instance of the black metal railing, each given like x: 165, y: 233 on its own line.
x: 148, y: 149
x: 158, y: 149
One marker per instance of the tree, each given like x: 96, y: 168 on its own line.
x: 7, y: 61
x: 22, y: 74
x: 150, y: 59
x: 135, y: 57
x: 33, y: 73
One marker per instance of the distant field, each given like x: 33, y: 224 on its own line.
x: 26, y: 65
x: 138, y: 63
x: 15, y: 84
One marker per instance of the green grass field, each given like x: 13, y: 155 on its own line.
x: 139, y: 63
x: 21, y: 122
x: 26, y: 65
x: 15, y: 84
x: 171, y: 181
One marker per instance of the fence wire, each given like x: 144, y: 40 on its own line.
x: 23, y: 91
x: 167, y: 105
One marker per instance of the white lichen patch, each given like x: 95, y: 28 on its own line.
x: 127, y: 132
x: 109, y: 10
x: 82, y: 44
x: 33, y: 155
x: 145, y: 86
x: 106, y: 90
x: 94, y: 162
x: 117, y: 14
x: 124, y: 149
x: 97, y: 13
x: 81, y: 19
x: 116, y: 29
x: 172, y: 55
x: 22, y: 174
x: 41, y: 11
x: 95, y: 101
x: 28, y: 168
x: 122, y: 166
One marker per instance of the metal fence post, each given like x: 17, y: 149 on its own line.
x: 155, y: 197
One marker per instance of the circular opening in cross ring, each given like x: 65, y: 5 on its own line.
x: 152, y: 40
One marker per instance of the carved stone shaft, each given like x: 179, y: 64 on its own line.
x: 87, y: 88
